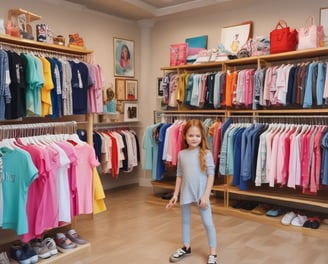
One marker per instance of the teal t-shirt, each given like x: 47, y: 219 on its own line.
x: 18, y: 174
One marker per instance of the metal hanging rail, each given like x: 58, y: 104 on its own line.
x: 37, y: 129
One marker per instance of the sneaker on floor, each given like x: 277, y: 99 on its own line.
x: 287, y: 218
x: 23, y: 253
x: 4, y: 258
x: 64, y: 244
x: 299, y: 220
x: 75, y: 237
x: 212, y: 259
x: 180, y: 254
x: 40, y: 249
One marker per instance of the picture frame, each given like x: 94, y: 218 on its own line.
x: 235, y: 37
x: 131, y: 90
x: 123, y: 57
x: 159, y: 87
x: 120, y: 89
x: 131, y: 112
x: 324, y: 19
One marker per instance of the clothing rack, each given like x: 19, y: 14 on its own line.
x: 296, y: 119
x: 116, y: 125
x: 37, y: 129
x: 170, y: 117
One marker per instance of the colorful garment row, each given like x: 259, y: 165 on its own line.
x: 54, y: 182
x: 284, y: 154
x: 33, y: 85
x: 302, y: 85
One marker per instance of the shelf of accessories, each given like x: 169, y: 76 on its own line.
x: 255, y: 60
x: 84, y: 121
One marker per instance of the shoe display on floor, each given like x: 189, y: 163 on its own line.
x: 4, y: 258
x: 75, y: 237
x: 63, y: 243
x: 287, y: 218
x: 212, y: 259
x: 180, y: 254
x: 23, y: 253
x: 44, y: 248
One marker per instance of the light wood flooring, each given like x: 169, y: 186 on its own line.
x: 134, y: 231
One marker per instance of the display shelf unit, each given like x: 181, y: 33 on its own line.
x: 286, y: 198
x: 85, y: 121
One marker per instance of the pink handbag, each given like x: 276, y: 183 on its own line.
x: 310, y: 36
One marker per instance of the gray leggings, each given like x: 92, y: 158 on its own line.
x: 206, y: 215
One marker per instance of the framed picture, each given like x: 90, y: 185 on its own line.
x: 123, y: 57
x: 131, y: 90
x: 130, y: 112
x: 120, y: 89
x: 324, y: 19
x: 159, y: 86
x: 233, y: 38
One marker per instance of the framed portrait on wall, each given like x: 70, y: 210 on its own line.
x: 130, y: 112
x: 120, y: 89
x: 235, y: 37
x: 131, y: 89
x: 123, y: 57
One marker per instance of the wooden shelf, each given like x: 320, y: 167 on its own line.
x: 26, y: 43
x: 29, y: 15
x: 279, y: 196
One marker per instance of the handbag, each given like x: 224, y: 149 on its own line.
x: 310, y: 35
x: 282, y: 38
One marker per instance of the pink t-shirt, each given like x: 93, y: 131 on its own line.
x: 35, y: 190
x: 47, y: 216
x: 84, y: 177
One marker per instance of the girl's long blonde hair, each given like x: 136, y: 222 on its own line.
x: 204, y: 147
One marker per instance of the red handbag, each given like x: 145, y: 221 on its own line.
x: 282, y: 38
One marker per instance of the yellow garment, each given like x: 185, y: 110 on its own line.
x: 47, y: 87
x: 98, y: 194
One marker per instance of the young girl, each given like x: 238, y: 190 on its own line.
x: 194, y: 181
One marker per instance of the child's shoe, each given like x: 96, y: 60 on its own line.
x: 212, y: 259
x: 180, y: 254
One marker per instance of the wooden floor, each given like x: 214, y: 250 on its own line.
x: 133, y: 231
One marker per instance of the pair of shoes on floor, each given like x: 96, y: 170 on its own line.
x: 75, y: 237
x: 245, y: 205
x: 63, y: 243
x: 23, y: 253
x: 274, y: 212
x: 291, y: 218
x: 312, y: 222
x: 4, y: 258
x: 260, y: 209
x: 180, y: 253
x: 44, y: 248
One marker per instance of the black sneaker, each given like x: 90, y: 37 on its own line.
x: 212, y: 259
x: 180, y: 254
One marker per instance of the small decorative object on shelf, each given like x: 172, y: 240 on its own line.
x: 75, y: 41
x: 59, y: 40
